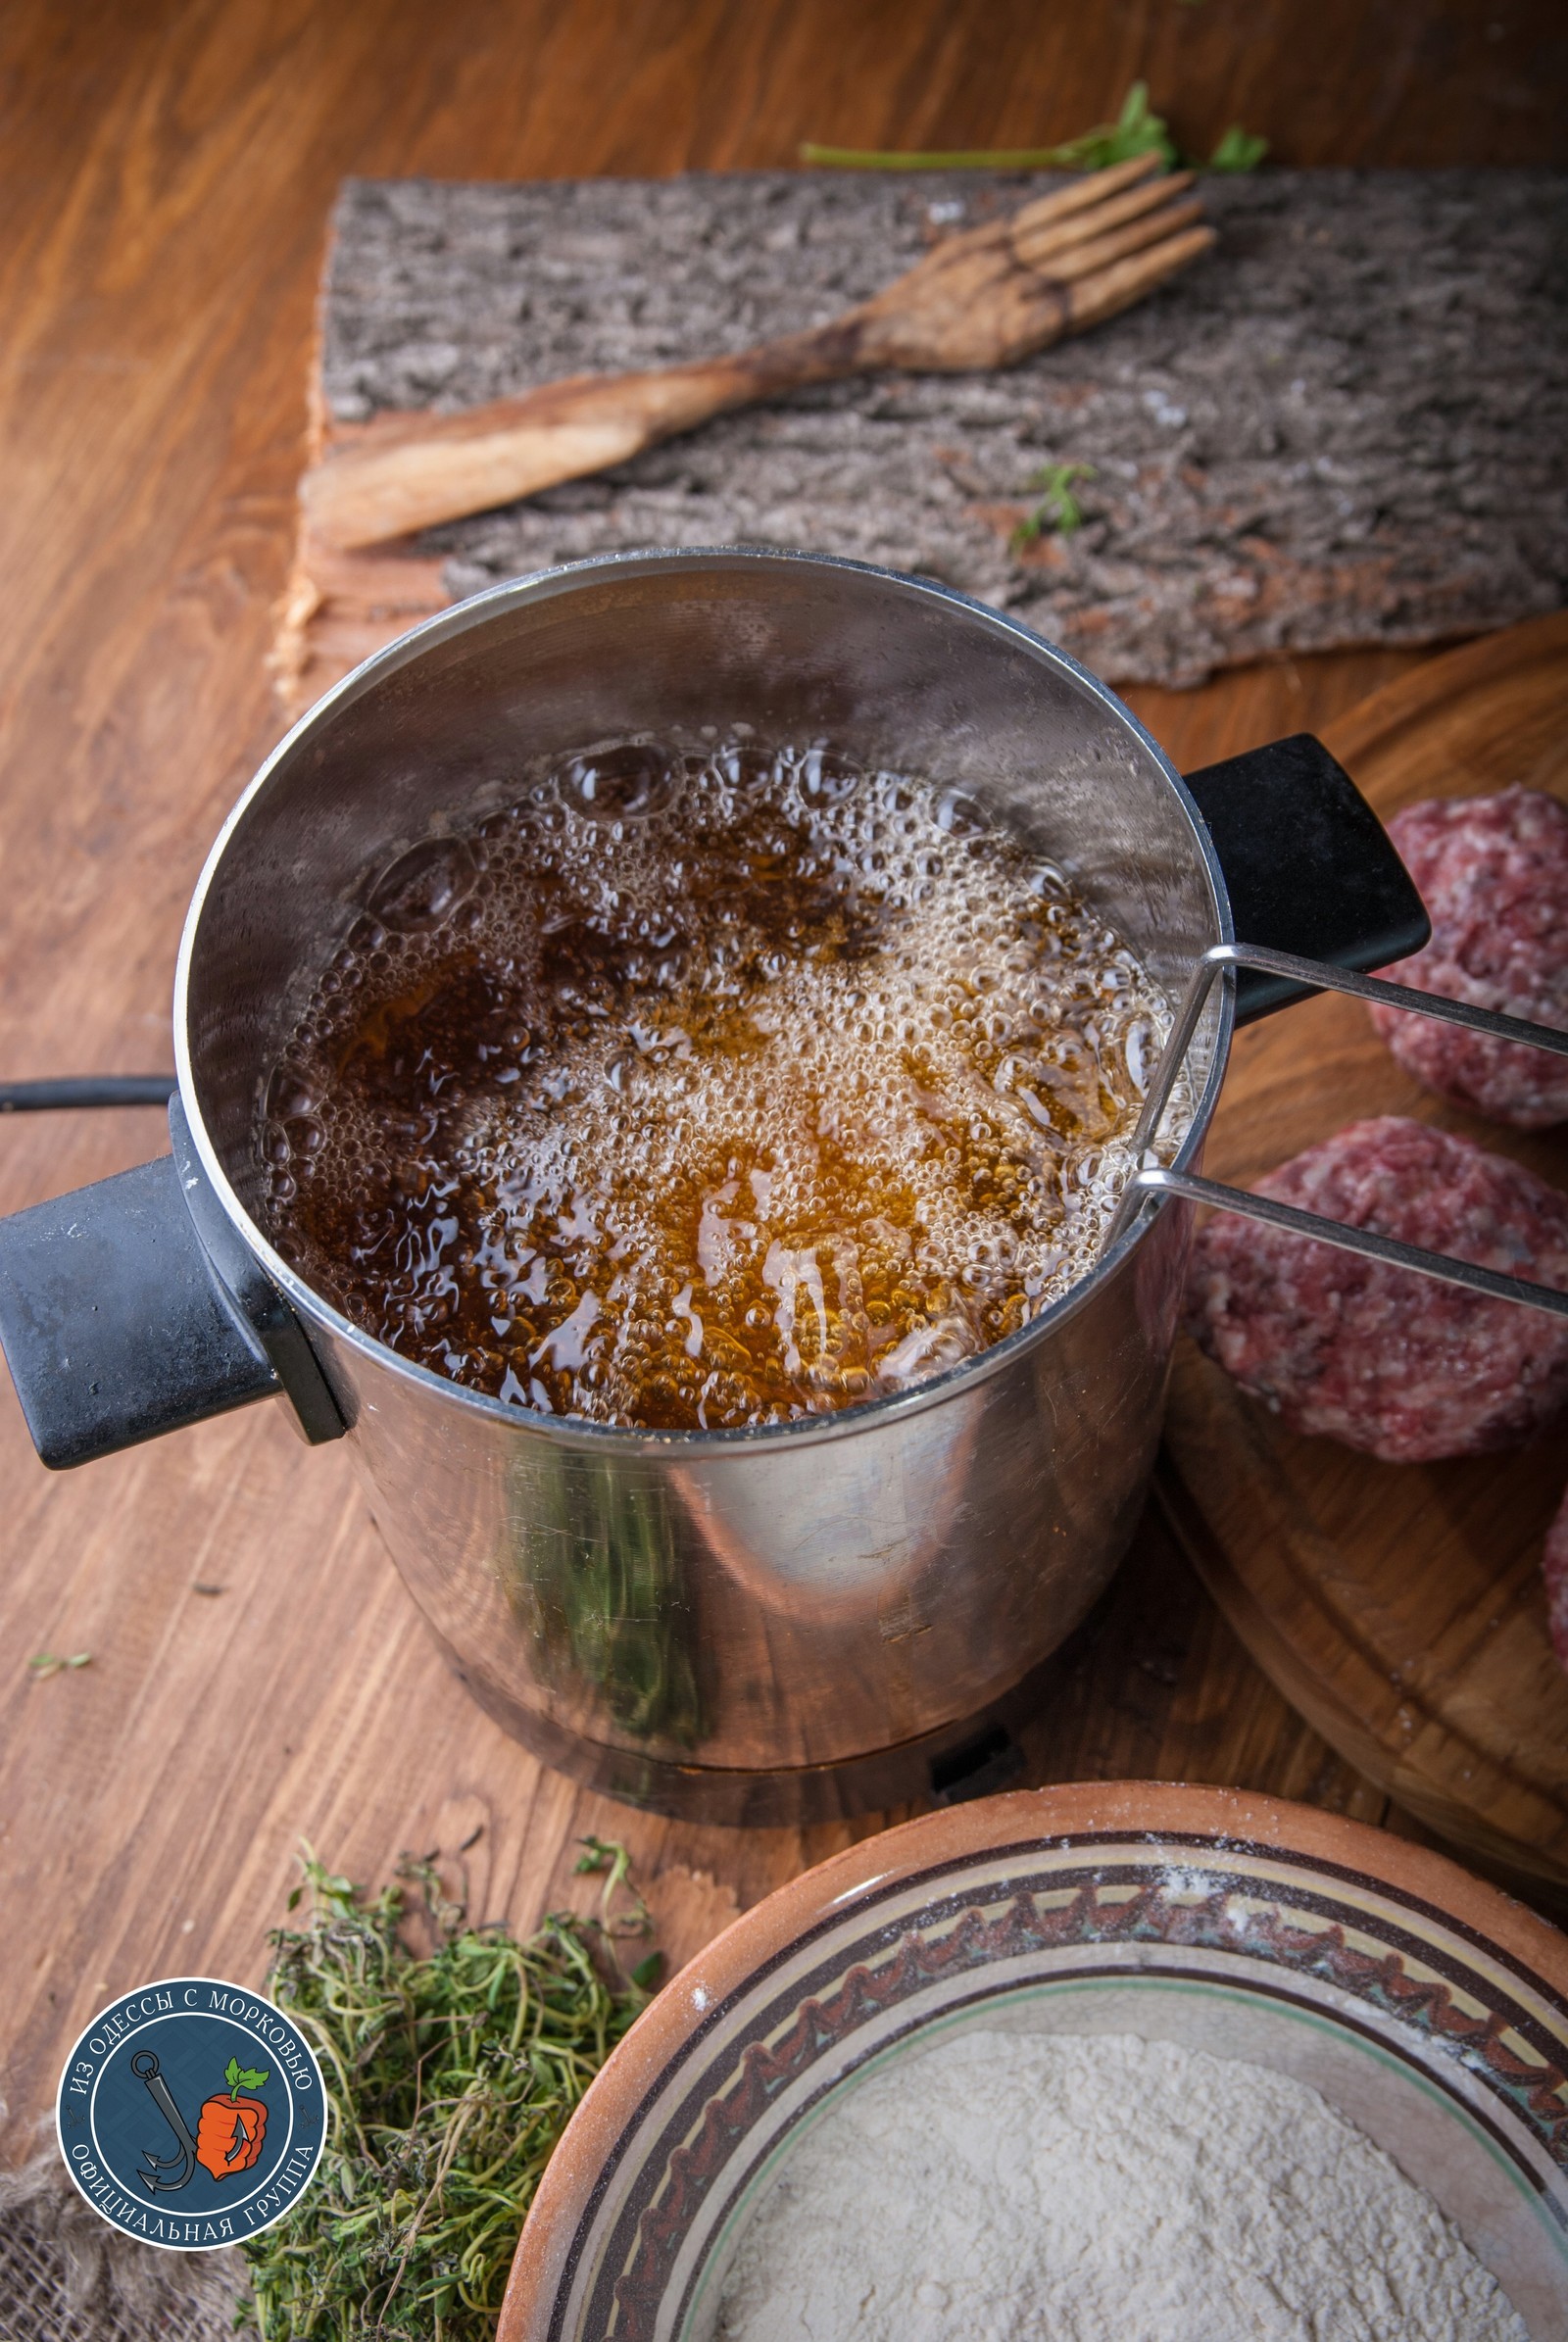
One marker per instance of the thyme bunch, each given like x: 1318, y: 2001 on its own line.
x: 450, y: 2074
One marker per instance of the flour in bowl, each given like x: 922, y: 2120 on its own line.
x: 1004, y: 2187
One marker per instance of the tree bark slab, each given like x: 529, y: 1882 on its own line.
x: 1348, y: 426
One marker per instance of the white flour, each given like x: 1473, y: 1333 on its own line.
x: 1007, y: 2187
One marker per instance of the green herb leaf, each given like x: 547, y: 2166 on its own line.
x: 50, y: 1663
x: 231, y: 2074
x: 451, y: 2071
x: 601, y: 1855
x: 647, y: 1973
x: 1238, y: 150
x: 1058, y: 509
x: 1137, y: 130
x: 247, y: 2078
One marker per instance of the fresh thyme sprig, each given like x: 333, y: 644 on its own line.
x: 606, y: 1855
x: 450, y: 2075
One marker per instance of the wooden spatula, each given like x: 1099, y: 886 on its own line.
x: 982, y: 299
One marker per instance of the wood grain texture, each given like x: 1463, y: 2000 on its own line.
x: 167, y: 168
x: 1400, y: 1607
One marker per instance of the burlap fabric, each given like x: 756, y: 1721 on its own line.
x: 67, y: 2277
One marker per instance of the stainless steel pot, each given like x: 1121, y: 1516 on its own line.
x: 741, y: 1625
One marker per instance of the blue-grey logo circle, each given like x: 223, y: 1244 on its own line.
x: 192, y: 2114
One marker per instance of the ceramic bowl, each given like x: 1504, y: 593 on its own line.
x: 1428, y: 2007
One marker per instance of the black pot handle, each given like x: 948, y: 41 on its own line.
x: 133, y: 1307
x: 1319, y: 897
x: 1311, y: 868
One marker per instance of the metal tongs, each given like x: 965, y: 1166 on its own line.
x: 1219, y: 963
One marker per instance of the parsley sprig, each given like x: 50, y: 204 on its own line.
x: 1137, y: 130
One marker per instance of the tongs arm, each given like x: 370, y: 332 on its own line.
x: 1219, y: 963
x: 1156, y: 1180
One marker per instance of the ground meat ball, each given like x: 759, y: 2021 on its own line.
x: 1382, y: 1358
x: 1554, y: 1568
x: 1494, y: 875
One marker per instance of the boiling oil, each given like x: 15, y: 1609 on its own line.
x: 702, y: 1091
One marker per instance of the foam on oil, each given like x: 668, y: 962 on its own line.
x: 707, y: 1091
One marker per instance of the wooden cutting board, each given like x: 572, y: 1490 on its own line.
x: 1398, y: 1607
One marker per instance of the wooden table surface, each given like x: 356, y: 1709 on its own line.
x: 167, y: 169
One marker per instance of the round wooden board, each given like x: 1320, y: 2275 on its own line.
x: 1398, y: 1607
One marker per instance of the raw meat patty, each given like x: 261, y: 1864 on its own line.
x: 1379, y: 1357
x: 1492, y: 872
x: 1554, y: 1568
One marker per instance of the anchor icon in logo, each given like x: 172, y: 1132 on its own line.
x: 230, y: 2130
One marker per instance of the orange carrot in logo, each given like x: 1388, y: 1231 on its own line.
x: 229, y: 2134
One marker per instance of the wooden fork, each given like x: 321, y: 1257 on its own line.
x: 982, y: 299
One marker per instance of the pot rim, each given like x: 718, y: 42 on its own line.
x: 575, y: 1431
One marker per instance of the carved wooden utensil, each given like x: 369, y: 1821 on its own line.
x: 982, y: 299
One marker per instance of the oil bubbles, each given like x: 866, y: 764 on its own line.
x: 710, y: 1087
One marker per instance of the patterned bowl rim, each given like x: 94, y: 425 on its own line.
x: 1079, y: 1817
